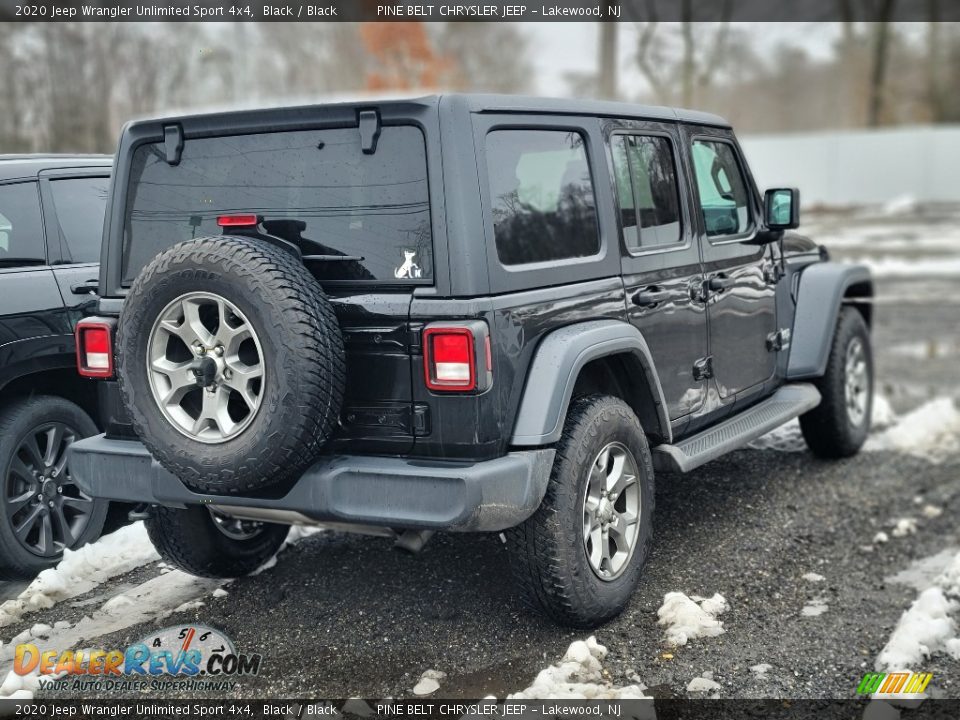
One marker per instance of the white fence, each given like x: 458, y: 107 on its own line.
x: 861, y: 167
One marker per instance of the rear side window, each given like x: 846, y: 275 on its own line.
x: 21, y: 226
x: 541, y: 195
x: 80, y: 204
x: 647, y: 191
x: 315, y: 188
x: 722, y: 188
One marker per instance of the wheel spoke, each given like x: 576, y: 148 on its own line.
x: 65, y: 532
x: 24, y: 528
x: 193, y: 326
x: 81, y: 504
x: 46, y: 533
x: 596, y: 547
x: 16, y: 504
x: 19, y: 468
x: 54, y: 440
x: 33, y: 450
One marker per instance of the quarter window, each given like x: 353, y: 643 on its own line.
x: 21, y: 226
x: 724, y: 199
x: 647, y: 191
x: 542, y: 196
x: 80, y: 204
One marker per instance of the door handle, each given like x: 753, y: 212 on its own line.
x: 87, y: 286
x: 718, y: 283
x: 650, y: 297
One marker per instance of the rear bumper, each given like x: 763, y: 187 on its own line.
x: 363, y: 490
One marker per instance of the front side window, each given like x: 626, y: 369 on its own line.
x: 80, y: 204
x: 21, y: 226
x: 724, y: 199
x: 542, y: 196
x: 647, y: 191
x: 314, y: 188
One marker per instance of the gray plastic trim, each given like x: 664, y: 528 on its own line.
x: 819, y: 296
x: 554, y: 370
x: 491, y: 495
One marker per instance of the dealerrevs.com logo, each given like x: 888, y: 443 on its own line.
x: 196, y: 656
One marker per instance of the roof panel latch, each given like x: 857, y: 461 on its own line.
x: 369, y: 122
x: 173, y: 143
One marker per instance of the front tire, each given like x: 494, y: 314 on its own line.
x: 579, y: 557
x: 839, y: 425
x: 44, y: 511
x: 206, y: 544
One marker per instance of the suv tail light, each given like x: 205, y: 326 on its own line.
x: 94, y: 337
x: 450, y: 361
x: 238, y: 220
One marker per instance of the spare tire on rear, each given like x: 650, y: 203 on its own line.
x: 231, y: 364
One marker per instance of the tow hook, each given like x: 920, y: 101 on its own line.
x: 412, y: 540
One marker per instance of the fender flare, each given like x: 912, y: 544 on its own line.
x: 820, y: 294
x: 554, y: 370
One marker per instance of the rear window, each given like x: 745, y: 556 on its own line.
x: 315, y: 188
x: 542, y: 196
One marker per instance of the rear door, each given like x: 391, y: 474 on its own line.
x: 740, y: 282
x: 34, y: 333
x: 662, y: 271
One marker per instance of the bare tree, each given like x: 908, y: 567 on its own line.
x: 490, y: 57
x: 607, y: 60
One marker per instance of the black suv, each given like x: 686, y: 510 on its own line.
x: 466, y: 313
x: 51, y: 222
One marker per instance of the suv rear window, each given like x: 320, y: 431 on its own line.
x: 542, y: 196
x: 315, y: 188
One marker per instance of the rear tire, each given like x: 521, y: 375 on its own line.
x: 192, y: 541
x: 839, y: 425
x: 39, y: 498
x: 231, y: 364
x: 559, y: 568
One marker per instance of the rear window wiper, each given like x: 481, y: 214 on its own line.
x: 5, y: 261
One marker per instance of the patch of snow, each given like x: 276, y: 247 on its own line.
x: 931, y: 511
x: 900, y: 205
x: 922, y: 630
x: 928, y: 625
x: 220, y: 592
x: 189, y: 605
x: 931, y: 431
x: 82, y: 570
x: 578, y: 675
x: 812, y: 577
x: 426, y: 686
x: 890, y: 267
x: 687, y: 620
x: 761, y: 670
x: 922, y: 573
x: 816, y: 607
x: 904, y: 526
x: 880, y: 537
x: 703, y: 686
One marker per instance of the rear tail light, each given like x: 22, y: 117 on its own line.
x: 238, y: 221
x: 449, y: 358
x: 94, y: 339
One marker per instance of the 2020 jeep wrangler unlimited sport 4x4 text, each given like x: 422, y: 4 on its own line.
x: 459, y: 313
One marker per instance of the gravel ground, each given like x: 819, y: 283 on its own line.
x: 342, y: 615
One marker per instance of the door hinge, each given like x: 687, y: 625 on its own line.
x: 777, y: 341
x: 703, y: 368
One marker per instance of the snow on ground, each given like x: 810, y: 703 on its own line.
x: 578, y: 675
x: 931, y: 431
x: 687, y: 618
x: 816, y: 607
x: 929, y: 626
x: 82, y: 570
x: 889, y: 267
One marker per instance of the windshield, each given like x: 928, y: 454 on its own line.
x: 316, y: 188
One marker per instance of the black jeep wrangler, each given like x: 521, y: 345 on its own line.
x: 460, y: 313
x: 51, y: 222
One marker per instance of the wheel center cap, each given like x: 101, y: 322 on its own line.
x: 49, y: 489
x: 206, y: 371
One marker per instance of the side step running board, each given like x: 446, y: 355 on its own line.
x: 785, y: 404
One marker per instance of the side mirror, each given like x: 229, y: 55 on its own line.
x: 781, y: 208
